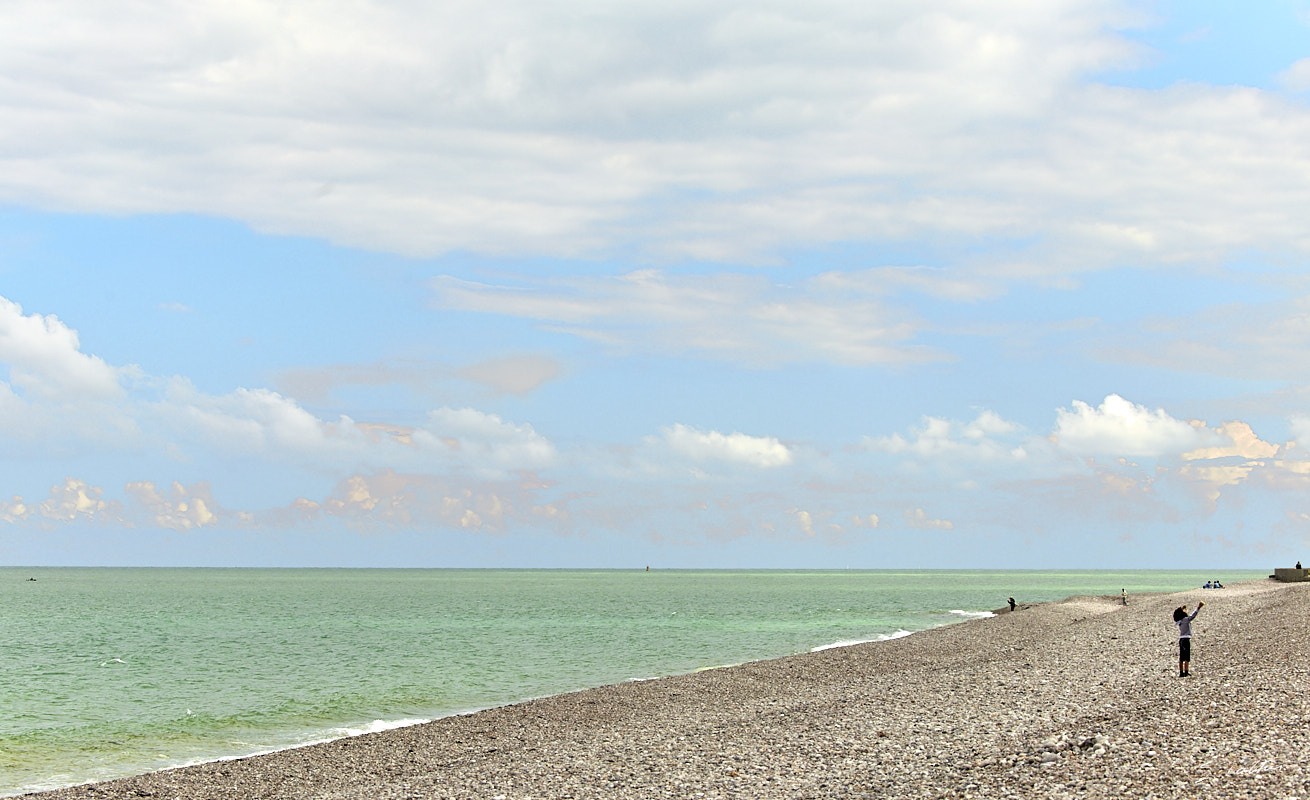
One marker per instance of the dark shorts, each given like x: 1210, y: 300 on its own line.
x: 1184, y: 649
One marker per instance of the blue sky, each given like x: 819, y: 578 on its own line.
x: 559, y: 284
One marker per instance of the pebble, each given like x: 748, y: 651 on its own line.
x: 1072, y: 699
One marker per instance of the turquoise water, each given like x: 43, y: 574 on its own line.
x: 112, y: 672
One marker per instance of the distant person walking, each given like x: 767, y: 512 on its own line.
x: 1123, y: 594
x: 1011, y: 603
x: 1184, y: 622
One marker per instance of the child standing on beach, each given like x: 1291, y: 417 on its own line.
x: 1184, y: 622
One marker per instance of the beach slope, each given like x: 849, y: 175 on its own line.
x: 1079, y: 698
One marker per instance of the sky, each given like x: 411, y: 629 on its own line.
x: 708, y: 284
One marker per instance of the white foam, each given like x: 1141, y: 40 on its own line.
x: 900, y: 634
x: 973, y: 614
x: 377, y: 725
x: 882, y: 637
x: 846, y: 643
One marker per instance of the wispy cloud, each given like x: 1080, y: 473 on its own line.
x: 723, y: 316
x: 515, y: 374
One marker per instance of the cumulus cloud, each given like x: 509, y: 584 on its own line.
x: 46, y: 362
x: 485, y: 441
x: 1300, y: 426
x: 74, y: 500
x: 979, y: 440
x: 384, y: 498
x: 265, y: 424
x: 1296, y: 78
x: 736, y: 448
x: 14, y: 509
x: 178, y: 508
x: 1241, y: 442
x: 805, y: 521
x: 1120, y: 428
x: 61, y: 399
x: 56, y: 397
x: 414, y: 500
x: 249, y: 421
x: 918, y: 518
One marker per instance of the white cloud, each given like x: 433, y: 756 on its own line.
x: 485, y: 440
x: 1300, y: 426
x: 57, y: 399
x: 720, y: 129
x: 1240, y: 442
x: 383, y: 498
x: 45, y: 360
x: 932, y: 281
x: 729, y: 316
x: 737, y: 448
x: 1296, y: 78
x: 805, y: 521
x: 69, y: 402
x: 253, y: 422
x: 74, y: 500
x: 179, y: 508
x: 259, y: 422
x: 981, y: 440
x: 918, y: 518
x: 1120, y: 428
x: 413, y: 500
x: 14, y: 509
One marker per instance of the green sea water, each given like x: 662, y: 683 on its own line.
x: 110, y: 672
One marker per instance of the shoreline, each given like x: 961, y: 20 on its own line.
x: 383, y: 725
x: 326, y: 735
x: 983, y: 707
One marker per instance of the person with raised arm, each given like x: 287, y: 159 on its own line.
x: 1184, y: 622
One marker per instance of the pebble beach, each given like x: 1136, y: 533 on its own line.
x: 1079, y: 698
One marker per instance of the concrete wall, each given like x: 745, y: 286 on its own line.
x: 1292, y: 575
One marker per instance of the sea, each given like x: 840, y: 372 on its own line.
x: 110, y: 672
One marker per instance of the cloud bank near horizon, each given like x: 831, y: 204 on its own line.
x: 474, y: 472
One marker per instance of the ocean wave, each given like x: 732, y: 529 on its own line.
x: 834, y: 645
x: 973, y: 614
x: 900, y: 634
x: 882, y: 637
x: 376, y: 726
